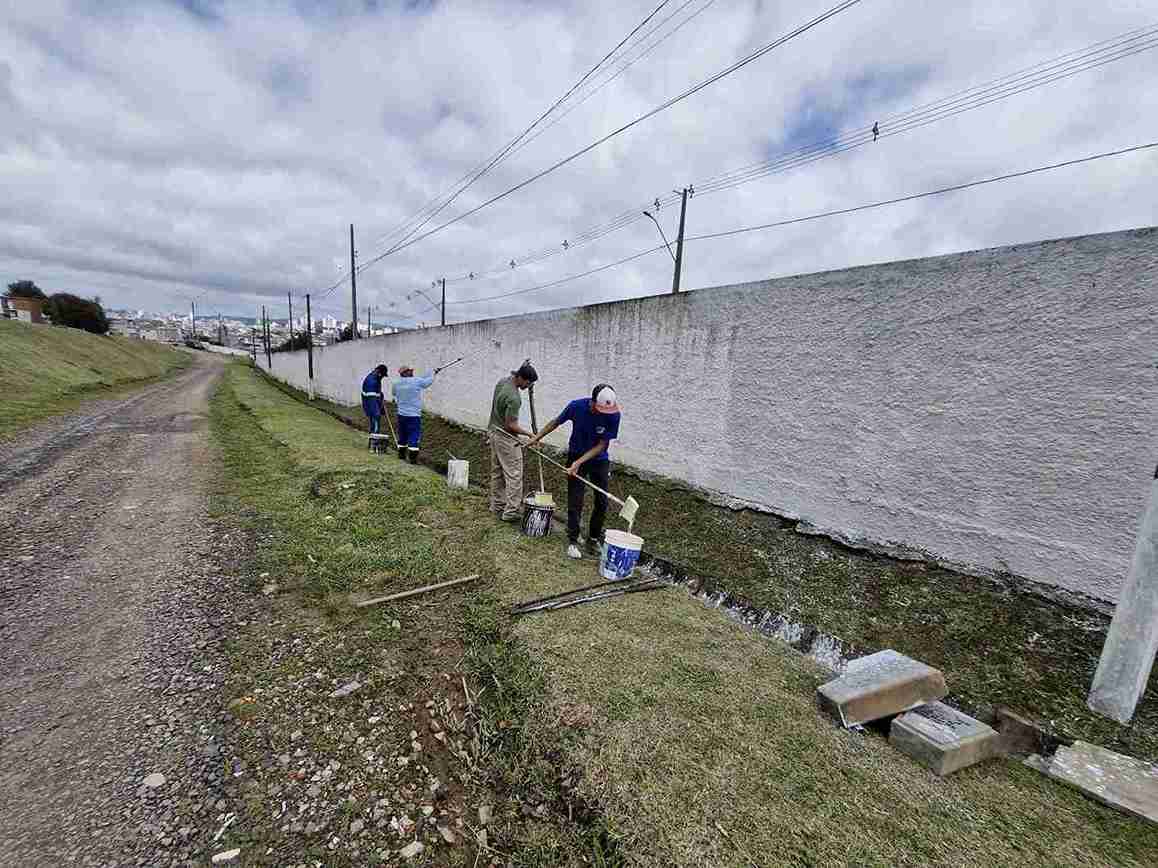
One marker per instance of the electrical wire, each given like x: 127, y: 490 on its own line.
x: 508, y: 149
x: 1037, y: 75
x: 688, y: 92
x: 824, y: 214
x: 1013, y: 84
x: 408, y: 227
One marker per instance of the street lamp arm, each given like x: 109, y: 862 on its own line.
x: 661, y: 235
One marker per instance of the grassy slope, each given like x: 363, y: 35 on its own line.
x: 996, y: 646
x: 46, y: 370
x: 699, y: 741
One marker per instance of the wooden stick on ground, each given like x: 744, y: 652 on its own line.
x: 403, y: 594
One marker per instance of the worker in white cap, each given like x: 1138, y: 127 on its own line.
x: 594, y: 424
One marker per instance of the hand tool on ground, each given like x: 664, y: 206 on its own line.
x: 562, y: 594
x: 628, y: 507
x: 636, y: 588
x: 404, y: 594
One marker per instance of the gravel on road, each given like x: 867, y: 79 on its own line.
x: 115, y: 598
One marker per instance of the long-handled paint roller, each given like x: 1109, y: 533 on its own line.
x: 541, y: 497
x: 628, y: 507
x: 451, y: 364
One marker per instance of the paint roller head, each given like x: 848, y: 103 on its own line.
x: 630, y: 508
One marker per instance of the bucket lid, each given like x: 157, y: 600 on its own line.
x: 622, y: 538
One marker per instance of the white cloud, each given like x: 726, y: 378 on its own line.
x: 152, y: 152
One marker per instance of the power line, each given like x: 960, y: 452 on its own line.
x: 408, y: 227
x: 833, y: 213
x: 1037, y: 75
x: 712, y: 79
x: 1013, y: 84
x: 628, y: 64
x: 505, y: 151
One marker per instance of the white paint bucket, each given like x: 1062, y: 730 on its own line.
x: 458, y: 473
x: 620, y: 553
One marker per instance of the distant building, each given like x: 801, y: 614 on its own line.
x: 27, y: 309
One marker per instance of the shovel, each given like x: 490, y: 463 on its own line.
x: 628, y: 508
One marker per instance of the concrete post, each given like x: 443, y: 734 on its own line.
x: 1132, y: 642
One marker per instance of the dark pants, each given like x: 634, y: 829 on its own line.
x: 409, y: 431
x: 598, y: 472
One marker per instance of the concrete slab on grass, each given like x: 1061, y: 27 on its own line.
x: 943, y: 739
x: 880, y: 685
x: 1122, y: 782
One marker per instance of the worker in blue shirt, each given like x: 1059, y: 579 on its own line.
x: 372, y: 397
x: 594, y: 424
x: 408, y: 399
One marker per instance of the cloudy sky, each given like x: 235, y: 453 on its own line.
x: 154, y: 152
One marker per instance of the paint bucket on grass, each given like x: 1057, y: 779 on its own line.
x: 537, y: 517
x: 620, y: 553
x: 457, y: 473
x: 379, y: 444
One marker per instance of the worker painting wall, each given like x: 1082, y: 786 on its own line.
x: 996, y: 411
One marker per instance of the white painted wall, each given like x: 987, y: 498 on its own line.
x: 997, y: 410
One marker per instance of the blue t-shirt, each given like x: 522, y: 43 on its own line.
x: 588, y: 427
x: 408, y: 394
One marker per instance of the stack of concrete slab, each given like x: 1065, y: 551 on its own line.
x: 880, y: 685
x: 890, y: 685
x: 943, y: 739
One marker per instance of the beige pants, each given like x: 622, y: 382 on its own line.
x: 506, y: 475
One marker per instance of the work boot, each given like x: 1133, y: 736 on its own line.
x: 401, y: 453
x: 413, y: 456
x: 370, y: 443
x: 594, y: 548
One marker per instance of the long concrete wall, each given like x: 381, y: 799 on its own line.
x: 996, y: 410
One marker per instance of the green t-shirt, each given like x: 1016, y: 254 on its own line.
x: 505, y: 404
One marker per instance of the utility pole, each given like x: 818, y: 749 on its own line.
x: 444, y: 301
x: 265, y: 334
x: 369, y: 331
x: 290, y: 296
x: 193, y: 319
x: 220, y: 331
x: 353, y: 288
x: 253, y: 342
x: 679, y: 257
x: 310, y: 344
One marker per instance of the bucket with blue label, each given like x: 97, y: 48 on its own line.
x: 620, y: 554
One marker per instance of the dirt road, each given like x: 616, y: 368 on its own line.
x: 113, y: 605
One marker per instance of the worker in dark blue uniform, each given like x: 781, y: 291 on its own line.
x: 594, y: 424
x: 372, y: 398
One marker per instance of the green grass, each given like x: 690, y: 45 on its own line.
x: 653, y: 731
x: 996, y: 644
x: 45, y: 370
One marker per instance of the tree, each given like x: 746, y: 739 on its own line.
x: 299, y: 342
x: 78, y: 313
x: 25, y: 289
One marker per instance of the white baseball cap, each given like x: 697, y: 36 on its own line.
x: 605, y: 401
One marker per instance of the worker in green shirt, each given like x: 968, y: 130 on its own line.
x: 507, y: 453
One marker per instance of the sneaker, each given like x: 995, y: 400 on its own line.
x: 573, y: 552
x: 511, y: 519
x: 594, y: 548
